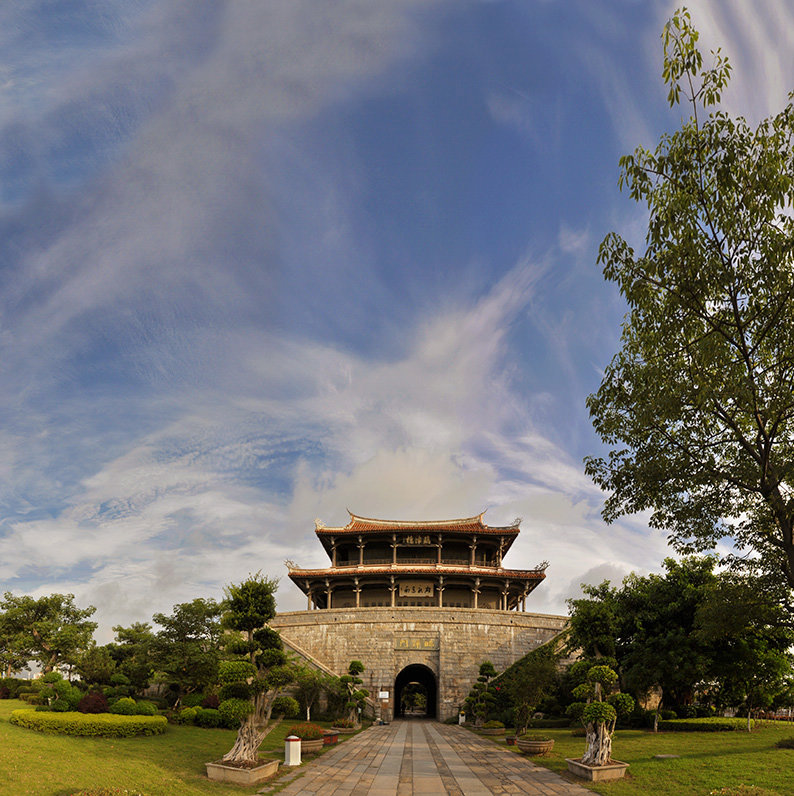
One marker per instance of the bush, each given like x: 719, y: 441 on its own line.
x: 11, y: 686
x: 186, y: 716
x: 192, y: 700
x: 785, y: 743
x: 548, y: 724
x: 208, y: 718
x: 493, y: 725
x: 124, y: 707
x: 528, y: 736
x: 715, y: 724
x: 93, y: 702
x: 145, y: 708
x: 211, y: 701
x: 306, y: 732
x: 345, y: 724
x: 668, y: 715
x: 105, y: 725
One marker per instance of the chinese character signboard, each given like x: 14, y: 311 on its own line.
x: 417, y: 540
x: 415, y: 643
x: 416, y: 588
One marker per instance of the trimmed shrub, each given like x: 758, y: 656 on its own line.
x: 668, y: 715
x: 233, y: 711
x: 211, y: 701
x: 493, y: 725
x: 715, y: 724
x: 93, y: 702
x: 208, y: 718
x: 192, y: 700
x: 549, y: 724
x: 145, y: 708
x: 186, y: 716
x: 105, y: 725
x: 124, y: 707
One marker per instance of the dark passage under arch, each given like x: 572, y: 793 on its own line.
x: 424, y: 677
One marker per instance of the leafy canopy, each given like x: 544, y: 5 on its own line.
x: 698, y: 403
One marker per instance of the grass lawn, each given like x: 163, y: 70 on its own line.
x: 709, y: 761
x: 160, y: 765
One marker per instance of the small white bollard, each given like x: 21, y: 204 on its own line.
x: 292, y: 751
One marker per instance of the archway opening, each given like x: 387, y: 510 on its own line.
x: 415, y: 692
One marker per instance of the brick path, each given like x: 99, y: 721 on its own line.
x: 412, y: 758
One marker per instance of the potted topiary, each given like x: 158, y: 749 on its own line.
x: 598, y: 717
x: 344, y: 726
x: 311, y: 737
x: 493, y: 727
x: 356, y: 697
x: 531, y: 744
x: 252, y: 681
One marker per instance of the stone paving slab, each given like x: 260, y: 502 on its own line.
x: 416, y: 758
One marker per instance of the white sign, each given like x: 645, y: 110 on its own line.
x: 383, y: 694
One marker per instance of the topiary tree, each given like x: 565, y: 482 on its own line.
x: 253, y: 680
x: 479, y: 698
x: 356, y: 697
x: 599, y: 716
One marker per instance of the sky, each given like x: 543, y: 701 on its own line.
x: 265, y: 262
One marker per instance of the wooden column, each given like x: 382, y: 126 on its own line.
x: 440, y: 542
x: 440, y: 591
x: 505, y: 594
x: 309, y: 599
x: 393, y: 552
x: 333, y: 551
x: 392, y: 589
x: 473, y: 548
x: 476, y: 592
x: 357, y: 590
x: 328, y: 592
x: 499, y: 552
x: 360, y: 552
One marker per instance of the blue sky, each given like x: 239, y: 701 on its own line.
x: 264, y: 262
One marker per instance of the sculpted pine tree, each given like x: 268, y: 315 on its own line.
x: 698, y: 404
x: 253, y: 683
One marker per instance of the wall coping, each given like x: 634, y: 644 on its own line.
x: 419, y: 614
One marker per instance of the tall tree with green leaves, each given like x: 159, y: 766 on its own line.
x: 133, y: 651
x: 50, y: 630
x: 186, y: 651
x: 698, y: 403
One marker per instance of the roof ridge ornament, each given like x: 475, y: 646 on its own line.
x: 318, y: 523
x: 516, y: 522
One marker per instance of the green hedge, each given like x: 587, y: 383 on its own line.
x: 107, y: 725
x: 712, y: 724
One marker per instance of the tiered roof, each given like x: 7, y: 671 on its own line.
x: 363, y: 525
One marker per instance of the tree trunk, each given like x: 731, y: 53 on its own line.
x: 249, y: 739
x: 599, y: 744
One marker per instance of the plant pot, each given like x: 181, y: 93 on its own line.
x: 534, y: 747
x: 494, y: 731
x: 330, y: 737
x: 220, y: 772
x: 312, y: 747
x: 614, y: 770
x: 344, y: 730
x: 510, y: 740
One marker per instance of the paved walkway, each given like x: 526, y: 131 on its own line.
x: 416, y: 757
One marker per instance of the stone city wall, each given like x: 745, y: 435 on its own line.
x: 452, y: 642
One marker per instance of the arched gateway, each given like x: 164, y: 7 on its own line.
x: 429, y: 594
x: 416, y: 674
